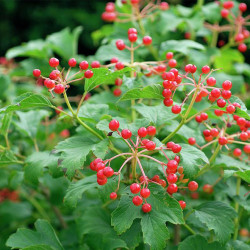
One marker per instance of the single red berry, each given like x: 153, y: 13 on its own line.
x: 108, y: 171
x: 228, y: 4
x: 221, y: 103
x: 168, y: 102
x: 132, y: 31
x: 120, y: 44
x: 114, y: 60
x: 245, y: 33
x: 109, y: 16
x: 169, y: 76
x: 241, y: 121
x: 119, y: 65
x: 214, y: 132
x: 92, y: 166
x: 147, y: 40
x: 145, y: 193
x: 182, y: 204
x: 170, y: 144
x: 207, y: 188
x: 110, y: 7
x: 100, y: 174
x: 230, y: 109
x: 54, y: 74
x: 137, y: 200
x: 176, y: 109
x: 162, y: 183
x: 172, y: 178
x: 172, y: 63
x: 222, y: 140
x: 100, y: 166
x: 215, y: 93
x: 88, y: 73
x: 226, y: 94
x: 59, y: 89
x: 113, y: 196
x: 164, y: 6
x: 205, y: 69
x: 102, y: 182
x: 132, y: 37
x: 227, y: 85
x: 218, y: 112
x: 53, y: 62
x: 95, y: 64
x: 172, y: 188
x: 242, y: 7
x: 206, y: 132
x: 72, y: 62
x: 198, y: 119
x: 84, y: 65
x: 176, y: 148
x: 192, y: 186
x: 151, y: 130
x: 135, y: 188
x: 60, y: 108
x: 114, y: 125
x: 172, y: 165
x: 175, y: 71
x: 247, y: 149
x: 237, y: 105
x: 169, y: 55
x: 237, y: 152
x: 117, y: 92
x: 36, y: 72
x: 242, y: 47
x: 118, y: 82
x: 126, y: 134
x: 142, y: 132
x: 224, y: 13
x: 150, y: 145
x: 177, y: 158
x: 191, y: 140
x: 146, y: 208
x: 211, y: 81
x: 144, y: 142
x: 167, y: 93
x: 244, y: 136
x: 239, y: 37
x: 50, y: 84
x: 204, y: 116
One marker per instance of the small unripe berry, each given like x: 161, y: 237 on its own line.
x: 207, y: 188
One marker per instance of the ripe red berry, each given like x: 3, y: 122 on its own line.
x: 84, y: 65
x: 142, y: 132
x: 72, y: 62
x: 215, y: 93
x: 126, y: 134
x: 60, y: 108
x: 172, y: 188
x: 113, y: 196
x: 100, y: 166
x: 108, y: 171
x: 198, y: 119
x: 88, y: 73
x: 54, y: 74
x: 224, y: 13
x: 95, y: 64
x: 206, y: 132
x: 222, y: 140
x: 59, y: 89
x: 36, y: 72
x: 176, y: 109
x: 246, y: 34
x: 190, y: 68
x: 151, y: 130
x: 172, y: 63
x: 182, y: 204
x: 191, y: 140
x: 132, y: 37
x: 132, y: 31
x: 237, y: 152
x: 221, y: 103
x: 172, y: 165
x: 228, y: 4
x: 120, y: 44
x: 168, y: 102
x: 119, y: 65
x: 244, y: 136
x: 241, y: 121
x: 204, y: 116
x: 156, y: 178
x: 145, y: 193
x: 242, y: 47
x: 239, y: 37
x: 110, y: 7
x: 162, y: 183
x: 170, y: 144
x: 167, y: 93
x: 242, y: 7
x: 117, y: 92
x: 172, y: 178
x: 236, y: 105
x: 205, y: 69
x: 211, y: 81
x: 169, y: 76
x: 135, y: 188
x: 50, y: 84
x: 214, y: 132
x: 150, y: 145
x: 137, y: 200
x: 230, y: 109
x: 147, y: 40
x: 109, y: 16
x: 114, y: 125
x: 177, y: 158
x: 226, y: 94
x: 207, y: 188
x: 164, y: 6
x: 100, y: 174
x: 247, y: 149
x: 169, y: 55
x: 102, y: 182
x: 146, y: 208
x: 144, y: 142
x: 53, y: 62
x: 118, y: 82
x: 192, y: 186
x: 176, y: 148
x: 227, y: 85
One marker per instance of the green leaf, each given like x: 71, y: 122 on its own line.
x: 27, y: 101
x: 100, y: 149
x: 157, y: 114
x: 211, y: 12
x: 171, y: 19
x: 238, y: 245
x: 65, y: 42
x: 5, y: 83
x: 74, y: 151
x: 44, y: 235
x: 153, y: 91
x: 228, y: 162
x: 7, y: 158
x: 197, y: 242
x: 36, y: 164
x: 191, y: 159
x: 6, y: 124
x: 182, y: 46
x: 244, y: 175
x: 217, y: 216
x: 76, y: 190
x: 103, y: 76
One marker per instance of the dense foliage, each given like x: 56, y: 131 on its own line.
x: 143, y: 145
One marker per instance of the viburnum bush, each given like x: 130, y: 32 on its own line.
x: 143, y: 145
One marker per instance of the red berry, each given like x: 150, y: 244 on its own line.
x: 144, y: 142
x: 57, y: 111
x: 230, y: 109
x: 84, y: 65
x: 100, y: 166
x: 204, y: 116
x: 132, y: 37
x: 172, y: 63
x: 170, y: 76
x: 182, y: 204
x: 190, y: 68
x: 54, y: 74
x: 191, y: 140
x: 239, y: 37
x: 50, y: 84
x: 147, y: 40
x: 100, y: 174
x: 162, y: 183
x: 236, y: 105
x: 95, y: 64
x: 151, y: 130
x: 226, y: 94
x: 192, y: 186
x: 108, y: 171
x: 205, y: 69
x: 150, y: 145
x: 207, y: 188
x: 168, y: 102
x: 92, y: 166
x: 176, y: 109
x: 246, y: 34
x: 110, y: 7
x: 53, y: 62
x: 170, y: 144
x: 221, y: 103
x: 223, y: 141
x: 167, y: 93
x: 177, y: 158
x: 146, y: 208
x: 114, y: 125
x: 175, y: 71
x: 172, y: 178
x: 214, y: 132
x: 215, y: 93
x: 169, y: 55
x: 117, y: 92
x: 247, y: 149
x: 88, y: 73
x: 145, y: 193
x: 126, y: 134
x: 36, y: 72
x: 142, y: 132
x: 109, y: 16
x: 59, y: 89
x: 172, y: 165
x: 120, y: 44
x: 102, y: 182
x: 242, y: 7
x: 172, y: 188
x: 118, y: 82
x: 228, y: 4
x: 119, y: 65
x: 113, y: 196
x: 227, y: 85
x: 241, y: 121
x: 198, y: 119
x: 218, y: 112
x: 164, y: 6
x: 206, y: 132
x: 137, y: 200
x: 237, y: 152
x: 132, y: 31
x: 244, y: 136
x: 224, y: 13
x: 114, y: 60
x: 135, y: 188
x: 211, y: 81
x: 242, y: 47
x: 176, y: 148
x: 72, y: 62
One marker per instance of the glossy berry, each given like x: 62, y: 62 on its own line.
x: 242, y: 47
x: 176, y: 148
x: 144, y: 142
x: 222, y: 140
x: 206, y: 132
x: 169, y: 55
x: 100, y: 174
x: 113, y: 196
x: 237, y: 152
x: 72, y: 62
x: 151, y: 130
x: 172, y: 178
x: 132, y: 37
x: 119, y: 65
x: 117, y: 92
x: 120, y: 44
x: 142, y: 132
x: 108, y: 171
x: 145, y: 193
x: 53, y: 62
x: 102, y: 182
x: 172, y: 166
x: 242, y: 7
x: 241, y: 121
x: 54, y: 74
x: 172, y: 188
x: 118, y: 82
x: 244, y: 136
x: 100, y: 166
x: 177, y: 158
x: 88, y: 73
x: 226, y: 94
x: 59, y: 89
x: 182, y: 204
x: 204, y: 116
x: 176, y: 109
x: 168, y: 102
x: 215, y: 93
x: 221, y: 103
x: 214, y: 132
x: 172, y: 63
x: 50, y: 84
x: 207, y: 188
x: 205, y: 69
x: 135, y: 188
x: 218, y: 112
x: 247, y: 149
x: 132, y: 31
x: 191, y: 140
x: 84, y: 65
x: 211, y: 81
x: 164, y: 6
x: 95, y: 64
x: 198, y: 119
x: 126, y: 134
x: 147, y: 40
x: 146, y: 208
x: 192, y: 186
x: 230, y: 109
x: 228, y: 4
x: 227, y: 85
x: 150, y: 145
x: 36, y: 72
x: 170, y: 144
x: 224, y: 13
x: 137, y: 200
x: 114, y: 125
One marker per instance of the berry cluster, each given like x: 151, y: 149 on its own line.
x: 139, y: 147
x: 57, y: 82
x: 6, y: 194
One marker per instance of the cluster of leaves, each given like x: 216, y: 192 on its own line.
x: 45, y: 154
